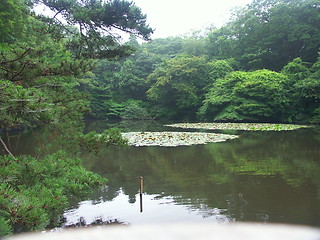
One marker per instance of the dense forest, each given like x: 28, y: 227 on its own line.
x: 262, y: 66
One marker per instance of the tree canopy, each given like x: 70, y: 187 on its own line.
x: 177, y: 84
x: 248, y: 96
x: 44, y: 56
x: 270, y: 33
x: 279, y: 36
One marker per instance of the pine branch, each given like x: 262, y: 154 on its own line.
x: 18, y: 73
x: 5, y: 147
x: 16, y: 59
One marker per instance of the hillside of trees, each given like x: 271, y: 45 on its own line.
x: 263, y: 66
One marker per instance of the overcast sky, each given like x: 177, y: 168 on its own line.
x: 176, y: 17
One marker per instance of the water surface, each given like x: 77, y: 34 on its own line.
x: 260, y: 177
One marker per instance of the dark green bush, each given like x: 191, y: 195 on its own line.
x: 134, y: 111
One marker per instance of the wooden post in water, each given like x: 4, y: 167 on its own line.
x: 141, y: 185
x: 141, y: 190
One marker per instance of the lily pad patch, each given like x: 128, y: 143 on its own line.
x: 174, y: 139
x: 238, y: 126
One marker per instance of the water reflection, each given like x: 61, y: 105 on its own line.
x: 156, y: 210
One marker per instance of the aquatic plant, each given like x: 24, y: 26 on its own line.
x: 173, y: 139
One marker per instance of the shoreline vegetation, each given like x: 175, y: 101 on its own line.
x: 175, y: 139
x: 35, y: 192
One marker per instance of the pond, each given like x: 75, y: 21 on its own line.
x: 260, y: 177
x: 267, y: 177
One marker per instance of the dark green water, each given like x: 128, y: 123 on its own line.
x: 259, y: 177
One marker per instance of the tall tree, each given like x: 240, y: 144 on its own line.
x: 44, y: 57
x: 305, y: 92
x: 271, y: 33
x: 177, y: 86
x: 261, y: 95
x: 98, y: 22
x: 13, y: 14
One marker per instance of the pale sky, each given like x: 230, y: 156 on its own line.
x: 177, y: 17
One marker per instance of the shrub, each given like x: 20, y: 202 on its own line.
x: 134, y: 111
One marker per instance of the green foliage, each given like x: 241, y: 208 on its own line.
x: 130, y: 83
x: 219, y: 69
x: 306, y: 93
x: 95, y: 18
x: 22, y: 106
x: 93, y: 141
x: 105, y: 108
x: 116, y: 82
x: 134, y: 110
x: 36, y: 191
x: 165, y: 47
x: 55, y: 59
x: 296, y: 70
x: 45, y: 54
x: 269, y: 34
x: 263, y: 35
x: 220, y: 45
x: 248, y: 96
x: 255, y: 38
x: 12, y: 17
x: 44, y: 70
x: 39, y: 55
x: 195, y: 45
x: 5, y: 227
x: 178, y: 84
x: 28, y: 106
